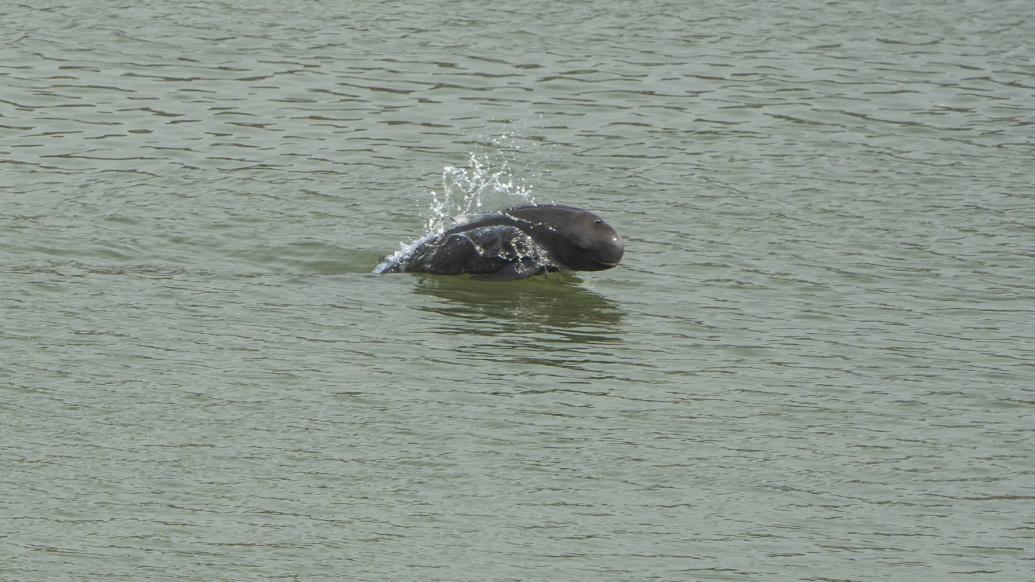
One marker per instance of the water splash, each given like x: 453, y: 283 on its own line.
x: 476, y: 188
x: 481, y: 186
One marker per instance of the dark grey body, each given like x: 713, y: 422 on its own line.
x: 518, y: 243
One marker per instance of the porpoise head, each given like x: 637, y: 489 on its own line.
x: 576, y: 238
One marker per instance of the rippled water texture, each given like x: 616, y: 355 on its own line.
x: 814, y: 363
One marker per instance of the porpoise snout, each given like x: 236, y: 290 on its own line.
x: 612, y: 249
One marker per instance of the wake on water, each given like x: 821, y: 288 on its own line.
x: 467, y: 191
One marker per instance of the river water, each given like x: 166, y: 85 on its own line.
x: 816, y: 361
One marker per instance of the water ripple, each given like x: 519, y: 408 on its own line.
x: 815, y: 360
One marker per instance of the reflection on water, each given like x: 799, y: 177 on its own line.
x: 556, y: 305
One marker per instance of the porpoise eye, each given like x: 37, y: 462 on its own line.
x: 598, y: 221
